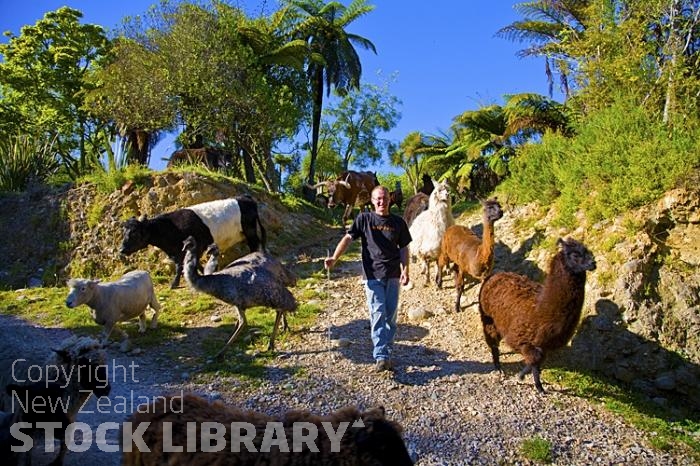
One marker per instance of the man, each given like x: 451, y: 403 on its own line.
x: 385, y: 239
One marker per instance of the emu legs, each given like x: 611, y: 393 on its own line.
x: 242, y: 324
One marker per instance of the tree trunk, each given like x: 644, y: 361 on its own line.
x: 317, y: 90
x: 248, y: 167
x: 138, y: 146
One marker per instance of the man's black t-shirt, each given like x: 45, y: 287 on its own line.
x: 382, y: 238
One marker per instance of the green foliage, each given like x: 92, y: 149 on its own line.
x: 229, y: 81
x: 95, y: 211
x: 24, y: 158
x: 621, y: 158
x: 537, y: 449
x: 333, y: 60
x: 43, y: 80
x: 108, y: 181
x: 411, y: 155
x: 356, y: 123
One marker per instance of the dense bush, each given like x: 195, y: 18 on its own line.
x: 23, y: 159
x: 620, y: 158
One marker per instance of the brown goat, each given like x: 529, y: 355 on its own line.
x: 472, y: 257
x: 536, y: 318
x: 368, y: 438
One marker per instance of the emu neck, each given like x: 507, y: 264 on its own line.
x: 190, y: 268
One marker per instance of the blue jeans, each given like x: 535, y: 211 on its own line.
x: 382, y: 301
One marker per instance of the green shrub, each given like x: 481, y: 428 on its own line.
x: 108, y: 181
x: 533, y: 176
x: 621, y: 158
x: 24, y: 158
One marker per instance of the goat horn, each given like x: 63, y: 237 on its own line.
x: 344, y: 183
x: 317, y: 185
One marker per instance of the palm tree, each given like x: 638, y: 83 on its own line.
x: 548, y: 25
x: 485, y: 140
x: 411, y: 155
x: 334, y: 61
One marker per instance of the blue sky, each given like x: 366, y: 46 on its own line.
x: 444, y: 52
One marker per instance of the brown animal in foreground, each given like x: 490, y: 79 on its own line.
x: 369, y: 438
x: 536, y: 318
x: 472, y: 256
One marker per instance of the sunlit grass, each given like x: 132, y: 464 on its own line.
x: 537, y: 449
x: 668, y: 428
x: 185, y: 318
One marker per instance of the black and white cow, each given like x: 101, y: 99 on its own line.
x: 225, y: 222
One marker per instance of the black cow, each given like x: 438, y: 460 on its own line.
x: 225, y: 222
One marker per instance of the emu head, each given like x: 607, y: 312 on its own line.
x: 190, y: 244
x: 492, y: 209
x: 577, y: 258
x: 135, y: 236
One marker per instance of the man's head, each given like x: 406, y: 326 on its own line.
x: 380, y: 200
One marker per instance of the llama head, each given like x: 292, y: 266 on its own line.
x: 492, y: 209
x: 441, y: 194
x: 577, y: 257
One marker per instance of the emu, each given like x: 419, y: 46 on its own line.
x: 536, y: 318
x: 243, y: 284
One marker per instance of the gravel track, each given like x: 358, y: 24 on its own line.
x: 454, y: 408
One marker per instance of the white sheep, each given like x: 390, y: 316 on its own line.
x: 429, y: 227
x: 117, y: 301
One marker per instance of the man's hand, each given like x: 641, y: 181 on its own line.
x: 404, y: 276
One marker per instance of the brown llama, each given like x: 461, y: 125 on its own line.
x: 415, y: 205
x: 472, y: 257
x: 367, y: 438
x: 536, y: 318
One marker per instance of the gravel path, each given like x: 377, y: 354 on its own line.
x: 454, y: 408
